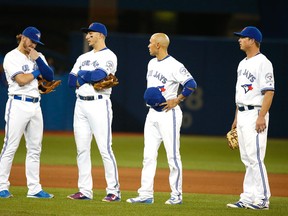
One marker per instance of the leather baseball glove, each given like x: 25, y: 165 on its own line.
x: 232, y: 139
x: 108, y: 82
x: 45, y: 87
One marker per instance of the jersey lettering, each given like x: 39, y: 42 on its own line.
x: 150, y: 73
x: 160, y: 77
x: 85, y: 63
x: 248, y: 75
x: 95, y: 64
x: 25, y: 68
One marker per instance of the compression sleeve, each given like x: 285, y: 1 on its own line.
x: 189, y: 87
x: 95, y: 76
x: 72, y: 80
x: 45, y: 70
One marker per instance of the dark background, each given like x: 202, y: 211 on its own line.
x: 201, y: 34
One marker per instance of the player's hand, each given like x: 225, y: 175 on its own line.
x: 260, y: 124
x: 33, y: 54
x: 170, y: 104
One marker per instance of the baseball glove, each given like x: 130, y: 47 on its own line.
x: 109, y: 82
x: 232, y: 139
x: 45, y: 87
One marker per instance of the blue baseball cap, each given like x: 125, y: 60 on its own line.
x: 251, y: 32
x: 33, y: 34
x: 153, y: 97
x: 96, y: 27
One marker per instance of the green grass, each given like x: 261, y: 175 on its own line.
x: 194, y: 204
x: 198, y: 153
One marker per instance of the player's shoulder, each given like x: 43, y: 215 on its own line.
x: 263, y: 59
x: 174, y: 60
x: 12, y: 52
x: 12, y: 55
x: 109, y: 52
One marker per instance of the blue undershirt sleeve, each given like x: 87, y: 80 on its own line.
x: 45, y: 70
x: 72, y: 80
x: 95, y: 76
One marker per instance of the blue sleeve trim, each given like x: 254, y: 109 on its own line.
x: 14, y: 75
x: 189, y: 87
x: 45, y: 70
x: 268, y: 89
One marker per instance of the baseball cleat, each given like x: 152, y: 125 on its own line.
x: 174, y: 201
x: 238, y: 204
x: 111, y: 198
x: 140, y: 200
x: 5, y: 194
x: 41, y: 195
x: 78, y: 196
x: 258, y: 206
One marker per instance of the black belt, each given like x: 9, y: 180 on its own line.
x: 249, y: 107
x: 28, y: 99
x: 90, y: 98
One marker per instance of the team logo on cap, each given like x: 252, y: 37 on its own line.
x: 247, y: 87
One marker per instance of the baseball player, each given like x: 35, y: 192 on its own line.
x: 164, y: 118
x: 254, y: 94
x: 23, y: 113
x: 93, y: 113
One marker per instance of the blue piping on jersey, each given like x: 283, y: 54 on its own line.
x: 7, y: 131
x: 105, y: 48
x: 174, y: 149
x: 163, y: 58
x: 261, y: 168
x: 268, y: 89
x: 109, y: 135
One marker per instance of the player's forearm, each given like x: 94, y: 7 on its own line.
x: 23, y: 79
x: 180, y: 98
x: 266, y: 104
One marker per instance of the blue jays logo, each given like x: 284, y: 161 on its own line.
x: 161, y: 88
x: 247, y: 87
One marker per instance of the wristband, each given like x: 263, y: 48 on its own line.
x: 36, y: 73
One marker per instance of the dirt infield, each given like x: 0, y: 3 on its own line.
x: 193, y: 181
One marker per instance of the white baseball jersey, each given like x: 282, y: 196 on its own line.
x: 255, y: 75
x: 94, y: 117
x: 164, y: 126
x: 15, y: 63
x: 104, y: 59
x: 22, y: 117
x: 167, y: 74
